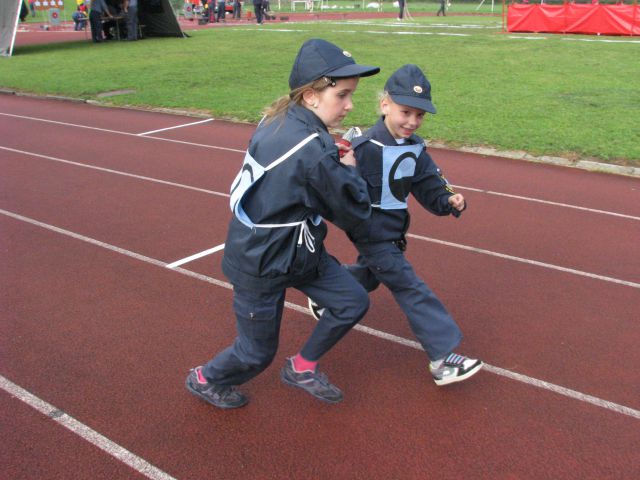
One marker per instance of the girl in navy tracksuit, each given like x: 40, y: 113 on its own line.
x: 291, y: 178
x: 394, y: 162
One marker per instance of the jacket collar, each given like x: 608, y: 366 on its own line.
x: 307, y: 116
x: 380, y: 131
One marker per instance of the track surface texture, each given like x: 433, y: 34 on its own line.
x: 542, y: 272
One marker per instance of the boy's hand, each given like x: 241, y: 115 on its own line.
x: 457, y: 202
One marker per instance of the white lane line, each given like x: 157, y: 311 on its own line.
x: 177, y: 126
x: 85, y: 432
x: 196, y: 256
x: 106, y: 130
x: 116, y: 172
x: 547, y: 202
x: 527, y: 261
x: 370, y: 331
x: 418, y: 237
x: 214, y: 147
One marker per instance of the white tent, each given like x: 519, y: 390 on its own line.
x: 9, y: 14
x: 157, y: 16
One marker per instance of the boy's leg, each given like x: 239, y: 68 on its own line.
x: 363, y: 275
x: 258, y: 324
x: 434, y: 327
x: 345, y: 302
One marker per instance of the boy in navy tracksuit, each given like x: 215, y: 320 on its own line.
x: 394, y: 163
x: 291, y: 178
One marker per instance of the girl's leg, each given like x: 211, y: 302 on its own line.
x: 345, y: 302
x: 258, y: 324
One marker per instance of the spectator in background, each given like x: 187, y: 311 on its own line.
x: 220, y: 17
x: 443, y: 8
x: 32, y: 7
x: 401, y: 14
x: 98, y: 9
x: 131, y: 10
x: 257, y: 9
x: 237, y: 9
x: 24, y: 11
x: 80, y: 17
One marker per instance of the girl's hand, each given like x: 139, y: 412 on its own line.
x: 457, y: 201
x: 346, y: 155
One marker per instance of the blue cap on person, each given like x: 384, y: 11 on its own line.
x: 318, y: 58
x: 408, y: 86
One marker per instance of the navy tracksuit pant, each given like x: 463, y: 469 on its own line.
x: 384, y: 262
x: 258, y: 318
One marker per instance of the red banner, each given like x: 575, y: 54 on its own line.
x: 575, y: 18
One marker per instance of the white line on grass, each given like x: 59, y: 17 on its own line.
x: 464, y: 247
x: 196, y: 256
x: 85, y: 432
x: 177, y: 126
x: 377, y: 333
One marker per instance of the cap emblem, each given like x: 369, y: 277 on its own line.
x: 417, y: 89
x: 346, y: 54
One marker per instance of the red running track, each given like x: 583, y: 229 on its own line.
x: 96, y: 326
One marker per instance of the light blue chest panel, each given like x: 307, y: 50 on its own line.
x: 398, y: 169
x: 249, y: 175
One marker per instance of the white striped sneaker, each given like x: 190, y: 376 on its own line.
x: 316, y: 310
x: 455, y: 368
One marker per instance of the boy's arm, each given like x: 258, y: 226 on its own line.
x: 433, y: 191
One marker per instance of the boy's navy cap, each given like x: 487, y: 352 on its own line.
x: 318, y: 58
x: 408, y: 86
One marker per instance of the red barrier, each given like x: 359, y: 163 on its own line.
x: 575, y: 18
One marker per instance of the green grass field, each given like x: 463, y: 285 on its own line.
x: 571, y: 96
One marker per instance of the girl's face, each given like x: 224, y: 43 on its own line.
x: 401, y: 121
x: 333, y: 103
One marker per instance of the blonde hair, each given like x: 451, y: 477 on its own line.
x: 280, y: 106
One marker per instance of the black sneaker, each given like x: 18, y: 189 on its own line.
x: 221, y: 396
x: 316, y: 310
x: 316, y: 383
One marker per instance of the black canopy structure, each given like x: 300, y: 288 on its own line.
x: 157, y: 17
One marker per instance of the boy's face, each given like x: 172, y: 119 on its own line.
x: 401, y: 121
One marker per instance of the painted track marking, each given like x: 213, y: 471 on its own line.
x: 196, y: 256
x: 361, y: 328
x: 177, y: 126
x: 85, y: 432
x: 418, y: 237
x: 527, y: 261
x: 479, y: 190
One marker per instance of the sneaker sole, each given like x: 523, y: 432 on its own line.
x: 475, y: 369
x: 286, y: 381
x: 313, y: 312
x: 224, y: 406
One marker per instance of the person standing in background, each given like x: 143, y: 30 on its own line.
x: 443, y: 8
x: 237, y: 9
x: 98, y: 8
x: 257, y: 9
x: 131, y: 9
x: 401, y: 14
x: 220, y: 17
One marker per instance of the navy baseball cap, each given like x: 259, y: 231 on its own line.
x: 408, y: 86
x: 318, y: 58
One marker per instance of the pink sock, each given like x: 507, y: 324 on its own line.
x: 301, y: 365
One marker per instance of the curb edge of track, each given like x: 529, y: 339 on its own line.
x: 589, y: 165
